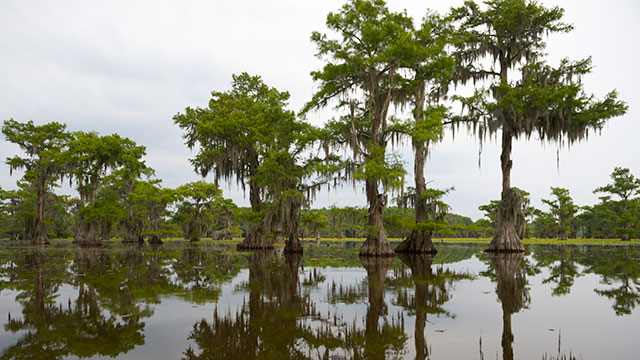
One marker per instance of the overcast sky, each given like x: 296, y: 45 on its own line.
x: 127, y: 67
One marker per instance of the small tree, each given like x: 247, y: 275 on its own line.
x: 315, y: 221
x: 625, y: 186
x: 196, y: 204
x: 150, y: 204
x: 43, y: 163
x: 563, y: 211
x: 10, y: 207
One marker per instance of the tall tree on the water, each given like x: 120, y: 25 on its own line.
x: 91, y: 158
x: 233, y: 135
x: 43, y: 163
x: 360, y: 74
x: 429, y: 69
x: 493, y: 43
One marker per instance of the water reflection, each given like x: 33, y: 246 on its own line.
x: 431, y: 292
x: 562, y: 264
x: 91, y: 322
x: 377, y: 341
x: 619, y: 268
x: 266, y: 325
x: 331, y: 304
x: 512, y: 292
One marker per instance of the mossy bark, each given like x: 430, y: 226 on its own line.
x: 506, y: 238
x: 40, y: 229
x: 377, y: 243
x: 87, y: 234
x: 131, y: 232
x: 419, y: 241
x: 291, y: 213
x: 255, y: 239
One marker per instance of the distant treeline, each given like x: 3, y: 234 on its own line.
x: 617, y: 215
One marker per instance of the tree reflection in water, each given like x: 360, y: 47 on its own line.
x: 512, y: 293
x: 563, y: 268
x: 264, y: 327
x: 280, y: 321
x: 377, y: 341
x: 431, y: 293
x: 619, y: 267
x: 96, y: 322
x: 79, y: 302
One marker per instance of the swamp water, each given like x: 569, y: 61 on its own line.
x: 206, y: 301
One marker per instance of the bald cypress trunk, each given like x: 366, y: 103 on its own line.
x: 376, y: 243
x: 419, y: 241
x: 255, y: 239
x: 132, y: 228
x: 292, y: 242
x: 506, y: 238
x: 39, y: 236
x: 88, y: 234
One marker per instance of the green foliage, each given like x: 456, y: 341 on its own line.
x: 10, y: 209
x: 194, y: 209
x: 149, y: 203
x: 248, y: 133
x: 494, y: 42
x: 562, y: 210
x: 96, y: 161
x: 43, y: 165
x: 313, y: 221
x: 625, y: 186
x: 360, y: 73
x: 545, y: 100
x: 233, y: 131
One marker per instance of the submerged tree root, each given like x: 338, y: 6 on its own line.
x: 509, y: 213
x: 376, y: 249
x: 254, y: 242
x: 293, y: 247
x: 417, y: 243
x: 506, y: 240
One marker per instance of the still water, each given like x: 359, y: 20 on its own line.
x: 206, y: 301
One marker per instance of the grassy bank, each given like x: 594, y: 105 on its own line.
x: 436, y: 240
x: 525, y: 241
